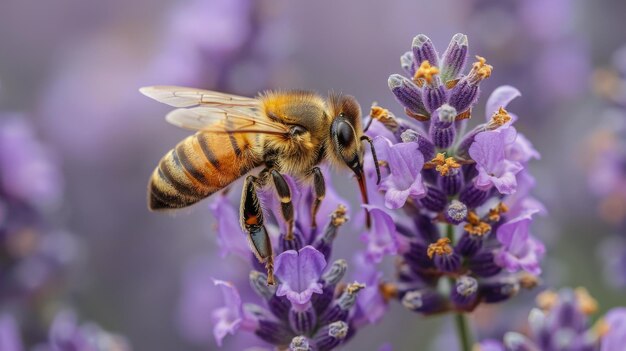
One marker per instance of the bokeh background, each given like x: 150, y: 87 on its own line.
x: 70, y: 70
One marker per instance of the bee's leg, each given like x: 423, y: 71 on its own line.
x: 251, y: 216
x: 319, y: 191
x: 286, y: 207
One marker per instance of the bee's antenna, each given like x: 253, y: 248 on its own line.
x: 369, y: 140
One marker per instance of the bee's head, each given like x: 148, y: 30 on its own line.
x: 346, y: 135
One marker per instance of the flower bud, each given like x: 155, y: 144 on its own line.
x: 433, y: 97
x: 293, y: 244
x: 274, y: 332
x: 339, y: 310
x: 258, y: 281
x: 434, y: 200
x: 456, y: 212
x: 407, y: 61
x: 279, y: 306
x: 469, y: 244
x: 417, y: 257
x: 424, y: 50
x: 473, y: 197
x: 407, y: 93
x: 483, y: 264
x: 335, y: 273
x: 442, y: 129
x: 331, y: 335
x: 463, y: 96
x: 465, y: 293
x: 425, y: 146
x: 454, y: 58
x: 302, y: 322
x: 499, y: 290
x: 452, y: 182
x: 423, y: 300
x: 300, y: 343
x: 322, y: 301
x: 444, y: 257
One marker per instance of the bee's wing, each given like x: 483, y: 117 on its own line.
x: 189, y: 97
x: 225, y: 120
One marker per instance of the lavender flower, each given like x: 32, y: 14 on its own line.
x: 64, y: 334
x: 467, y: 192
x: 309, y: 308
x: 34, y: 253
x: 561, y: 323
x: 606, y: 166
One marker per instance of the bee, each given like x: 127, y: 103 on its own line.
x: 290, y: 132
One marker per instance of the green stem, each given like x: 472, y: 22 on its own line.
x: 463, y: 331
x: 461, y: 322
x: 450, y: 232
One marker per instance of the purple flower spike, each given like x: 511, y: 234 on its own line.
x: 488, y: 150
x: 405, y: 163
x: 230, y: 238
x: 615, y: 339
x: 381, y: 239
x: 520, y: 250
x: 227, y: 319
x: 299, y: 273
x: 500, y: 97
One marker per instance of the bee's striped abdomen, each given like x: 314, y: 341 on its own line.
x: 197, y: 167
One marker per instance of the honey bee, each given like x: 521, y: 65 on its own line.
x: 289, y: 132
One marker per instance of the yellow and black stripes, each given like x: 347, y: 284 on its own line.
x: 197, y: 167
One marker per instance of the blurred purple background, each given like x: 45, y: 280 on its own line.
x: 72, y: 69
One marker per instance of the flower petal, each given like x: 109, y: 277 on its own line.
x: 299, y: 273
x: 500, y: 97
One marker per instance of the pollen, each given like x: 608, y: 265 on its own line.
x: 500, y: 117
x: 441, y: 247
x: 588, y: 305
x: 547, y: 299
x: 426, y: 71
x: 475, y: 226
x: 601, y: 328
x: 338, y: 217
x: 388, y: 291
x: 379, y: 113
x: 384, y: 116
x: 496, y: 212
x: 354, y: 288
x: 481, y: 69
x: 443, y: 165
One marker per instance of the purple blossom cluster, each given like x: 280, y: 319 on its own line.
x: 33, y: 255
x: 606, y: 166
x: 309, y: 307
x: 561, y: 322
x: 467, y: 237
x: 65, y: 334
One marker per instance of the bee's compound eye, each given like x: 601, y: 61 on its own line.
x: 296, y: 130
x: 345, y: 134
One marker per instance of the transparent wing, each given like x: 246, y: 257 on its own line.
x: 189, y: 97
x: 225, y: 120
